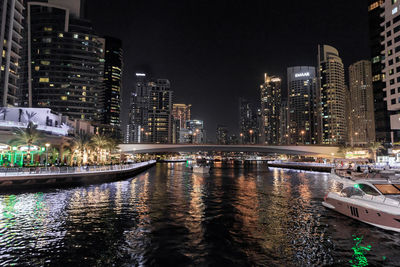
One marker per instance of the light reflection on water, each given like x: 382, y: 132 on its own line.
x: 168, y: 215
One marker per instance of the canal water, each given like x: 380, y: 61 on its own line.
x: 168, y: 216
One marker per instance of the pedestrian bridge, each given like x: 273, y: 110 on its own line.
x: 312, y: 150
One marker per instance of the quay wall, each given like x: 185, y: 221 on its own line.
x: 25, y: 181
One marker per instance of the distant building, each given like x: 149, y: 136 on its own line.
x: 193, y: 133
x: 139, y: 109
x: 11, y: 28
x: 233, y: 140
x: 332, y: 95
x: 159, y: 122
x: 377, y: 28
x: 284, y: 123
x: 222, y: 135
x: 270, y: 107
x: 112, y: 83
x: 391, y: 62
x: 63, y: 66
x: 181, y: 112
x: 245, y: 120
x: 362, y: 130
x: 302, y: 91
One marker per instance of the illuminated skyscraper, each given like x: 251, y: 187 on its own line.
x: 222, y: 135
x: 181, y: 112
x: 391, y: 62
x: 332, y: 93
x: 270, y: 108
x: 64, y: 64
x: 302, y: 102
x: 376, y: 28
x: 362, y: 130
x: 11, y: 27
x: 112, y: 86
x: 159, y: 121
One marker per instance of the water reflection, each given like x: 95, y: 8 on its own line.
x: 170, y: 216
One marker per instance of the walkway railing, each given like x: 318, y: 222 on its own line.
x: 64, y: 169
x: 302, y: 163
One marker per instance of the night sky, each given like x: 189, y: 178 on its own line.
x: 213, y: 52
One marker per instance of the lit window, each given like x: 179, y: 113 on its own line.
x: 45, y: 62
x: 48, y: 29
x: 87, y: 38
x: 44, y: 80
x: 64, y: 98
x: 60, y: 35
x: 76, y: 36
x: 37, y: 68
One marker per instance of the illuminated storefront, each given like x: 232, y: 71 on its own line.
x: 18, y: 156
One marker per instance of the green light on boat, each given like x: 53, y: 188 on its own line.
x: 357, y: 186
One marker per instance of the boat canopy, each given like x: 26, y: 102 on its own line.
x: 388, y: 189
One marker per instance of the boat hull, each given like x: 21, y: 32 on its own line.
x: 366, y: 214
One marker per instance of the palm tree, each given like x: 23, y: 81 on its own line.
x: 99, y: 142
x: 375, y: 147
x: 29, y: 136
x: 81, y: 146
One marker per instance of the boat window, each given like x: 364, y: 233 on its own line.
x: 368, y: 190
x: 351, y: 191
x: 387, y: 189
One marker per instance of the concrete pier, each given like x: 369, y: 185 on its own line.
x: 81, y: 176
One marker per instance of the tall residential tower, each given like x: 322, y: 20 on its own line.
x: 270, y: 107
x: 303, y: 123
x: 64, y: 64
x: 332, y: 95
x: 362, y: 130
x: 11, y: 28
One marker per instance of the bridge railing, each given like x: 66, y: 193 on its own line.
x: 65, y: 169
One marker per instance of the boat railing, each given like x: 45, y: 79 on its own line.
x: 381, y: 198
x: 65, y: 169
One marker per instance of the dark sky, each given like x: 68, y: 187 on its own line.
x: 215, y: 51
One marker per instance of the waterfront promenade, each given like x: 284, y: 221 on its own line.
x: 28, y: 177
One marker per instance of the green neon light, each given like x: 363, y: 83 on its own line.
x: 358, y: 259
x: 357, y: 186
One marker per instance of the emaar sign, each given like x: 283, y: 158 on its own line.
x: 302, y: 74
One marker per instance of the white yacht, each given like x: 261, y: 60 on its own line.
x: 373, y: 201
x: 201, y: 169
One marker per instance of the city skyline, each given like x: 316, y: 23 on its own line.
x: 223, y: 62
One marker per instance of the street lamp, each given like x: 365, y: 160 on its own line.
x: 241, y: 138
x: 47, y: 154
x: 302, y: 136
x: 251, y: 136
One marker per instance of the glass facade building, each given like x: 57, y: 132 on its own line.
x: 376, y: 28
x: 271, y: 97
x: 65, y: 64
x: 11, y: 29
x: 113, y: 66
x: 332, y: 95
x: 302, y: 101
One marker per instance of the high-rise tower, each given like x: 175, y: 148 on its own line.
x: 362, y: 130
x: 11, y: 27
x: 112, y: 86
x: 332, y: 95
x: 270, y: 107
x: 303, y: 124
x: 64, y: 62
